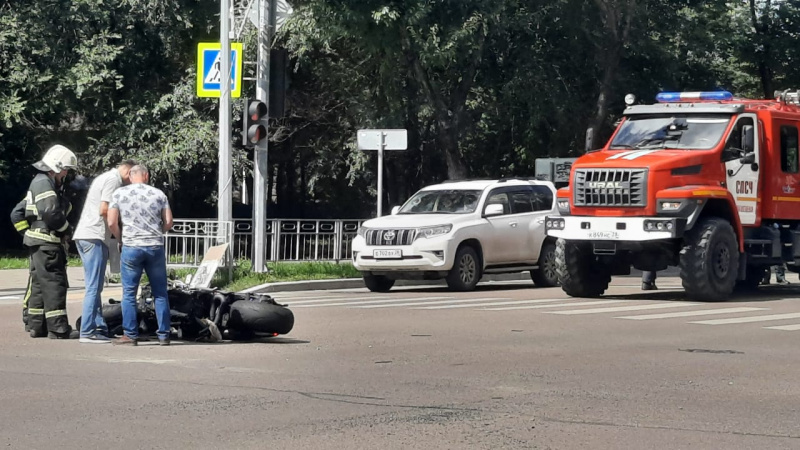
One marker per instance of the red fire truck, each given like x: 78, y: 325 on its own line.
x: 700, y: 180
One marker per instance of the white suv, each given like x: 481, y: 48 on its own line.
x: 458, y: 231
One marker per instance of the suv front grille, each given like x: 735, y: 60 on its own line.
x: 610, y: 187
x: 391, y: 237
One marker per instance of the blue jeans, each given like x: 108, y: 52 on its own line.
x: 152, y: 260
x: 94, y: 255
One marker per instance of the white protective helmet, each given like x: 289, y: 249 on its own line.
x: 57, y: 158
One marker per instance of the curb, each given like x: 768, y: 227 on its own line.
x: 354, y: 283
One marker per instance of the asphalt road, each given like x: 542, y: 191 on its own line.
x: 506, y: 366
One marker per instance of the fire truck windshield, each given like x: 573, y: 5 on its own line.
x: 680, y: 131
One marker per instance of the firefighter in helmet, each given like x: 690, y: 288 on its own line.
x: 21, y: 225
x: 48, y: 230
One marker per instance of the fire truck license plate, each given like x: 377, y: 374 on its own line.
x: 387, y: 254
x: 602, y: 234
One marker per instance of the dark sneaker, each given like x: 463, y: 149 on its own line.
x: 164, y: 341
x: 95, y: 339
x: 124, y: 340
x: 73, y: 334
x: 649, y: 286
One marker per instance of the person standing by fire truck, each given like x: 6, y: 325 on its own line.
x: 46, y: 213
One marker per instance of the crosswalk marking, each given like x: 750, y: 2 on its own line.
x: 10, y: 297
x: 367, y: 302
x: 450, y: 301
x: 794, y: 327
x: 749, y: 319
x: 700, y: 312
x: 330, y: 299
x: 624, y: 308
x: 517, y: 302
x: 558, y: 305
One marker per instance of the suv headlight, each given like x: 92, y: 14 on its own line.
x: 362, y: 231
x: 438, y: 230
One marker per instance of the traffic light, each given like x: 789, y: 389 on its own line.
x: 254, y: 123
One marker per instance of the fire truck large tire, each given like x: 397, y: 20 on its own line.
x: 578, y: 272
x: 546, y: 275
x: 378, y: 283
x: 709, y: 260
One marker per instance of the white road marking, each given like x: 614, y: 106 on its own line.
x: 518, y: 302
x: 329, y: 299
x: 624, y: 308
x: 700, y: 312
x: 11, y: 297
x: 367, y: 302
x: 559, y: 305
x: 451, y: 301
x: 794, y: 327
x: 749, y: 319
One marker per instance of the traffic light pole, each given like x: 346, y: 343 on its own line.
x: 266, y: 27
x: 224, y: 191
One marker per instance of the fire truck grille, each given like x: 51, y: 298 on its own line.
x: 391, y: 237
x: 610, y: 187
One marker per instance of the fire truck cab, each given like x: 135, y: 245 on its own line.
x: 701, y: 180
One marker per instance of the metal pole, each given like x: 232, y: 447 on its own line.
x: 380, y: 174
x: 260, y: 166
x: 225, y: 200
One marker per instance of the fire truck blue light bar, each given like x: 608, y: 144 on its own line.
x: 667, y: 97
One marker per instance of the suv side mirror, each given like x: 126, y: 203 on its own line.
x: 495, y: 209
x: 748, y: 139
x: 395, y: 209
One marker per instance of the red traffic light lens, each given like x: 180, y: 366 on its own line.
x: 256, y: 133
x: 256, y: 110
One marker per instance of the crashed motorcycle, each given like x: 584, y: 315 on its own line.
x: 206, y: 315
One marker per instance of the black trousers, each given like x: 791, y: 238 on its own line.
x: 47, y: 304
x: 27, y: 295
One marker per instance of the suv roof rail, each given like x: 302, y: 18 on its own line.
x: 466, y: 179
x: 503, y: 180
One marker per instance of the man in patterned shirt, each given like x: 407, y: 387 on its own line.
x: 138, y: 216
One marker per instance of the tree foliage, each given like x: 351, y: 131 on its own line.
x: 484, y: 87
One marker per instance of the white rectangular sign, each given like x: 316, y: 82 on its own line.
x: 391, y: 139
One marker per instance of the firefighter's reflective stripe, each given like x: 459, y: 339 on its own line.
x: 33, y: 209
x: 21, y: 225
x: 64, y: 227
x: 27, y: 293
x: 36, y: 311
x: 36, y: 234
x: 56, y: 313
x: 44, y: 195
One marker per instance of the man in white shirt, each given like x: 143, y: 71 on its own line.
x: 92, y: 237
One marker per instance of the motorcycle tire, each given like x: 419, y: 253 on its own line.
x: 260, y: 317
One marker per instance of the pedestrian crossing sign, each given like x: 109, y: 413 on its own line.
x: 209, y: 75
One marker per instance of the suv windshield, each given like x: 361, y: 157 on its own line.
x: 449, y: 201
x: 680, y: 131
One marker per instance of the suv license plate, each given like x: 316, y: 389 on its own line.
x: 602, y: 234
x: 387, y: 254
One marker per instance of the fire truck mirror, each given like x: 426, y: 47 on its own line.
x: 589, y: 146
x: 748, y: 140
x: 749, y: 158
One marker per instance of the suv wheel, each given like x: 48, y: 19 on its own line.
x: 546, y: 275
x: 466, y: 271
x: 378, y: 283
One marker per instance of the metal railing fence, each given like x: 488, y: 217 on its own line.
x: 286, y: 239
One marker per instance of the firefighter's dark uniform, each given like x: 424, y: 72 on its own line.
x: 46, y: 213
x: 21, y: 224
